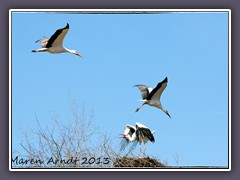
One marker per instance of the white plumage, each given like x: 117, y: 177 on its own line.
x: 136, y: 135
x: 55, y: 43
x: 152, y: 96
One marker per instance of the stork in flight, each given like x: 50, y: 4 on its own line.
x: 152, y: 96
x: 137, y: 134
x: 54, y: 44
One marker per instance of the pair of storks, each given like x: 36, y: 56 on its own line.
x: 150, y: 96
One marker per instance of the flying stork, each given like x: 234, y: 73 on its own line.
x: 54, y: 44
x: 152, y: 96
x: 137, y: 134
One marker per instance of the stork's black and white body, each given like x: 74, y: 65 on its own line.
x: 54, y: 44
x: 136, y: 135
x: 152, y: 96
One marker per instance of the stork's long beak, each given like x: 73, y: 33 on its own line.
x: 79, y: 55
x: 122, y: 135
x: 168, y: 114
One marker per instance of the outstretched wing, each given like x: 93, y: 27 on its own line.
x: 157, y: 91
x: 129, y: 130
x: 43, y: 41
x: 143, y: 132
x: 145, y: 90
x: 57, y: 38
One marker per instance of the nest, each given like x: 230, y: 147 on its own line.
x: 137, y: 162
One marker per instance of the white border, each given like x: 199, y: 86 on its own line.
x: 108, y: 11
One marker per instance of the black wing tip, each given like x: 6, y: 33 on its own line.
x: 165, y: 80
x: 153, y: 140
x: 138, y: 85
x: 67, y: 26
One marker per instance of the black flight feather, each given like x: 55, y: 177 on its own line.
x: 55, y: 35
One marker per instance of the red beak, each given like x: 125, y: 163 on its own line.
x: 122, y: 135
x: 79, y: 55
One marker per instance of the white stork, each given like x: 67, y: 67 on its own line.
x: 137, y: 134
x: 54, y: 44
x: 152, y: 96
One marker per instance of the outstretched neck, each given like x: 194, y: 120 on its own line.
x: 69, y: 50
x: 160, y: 107
x: 72, y: 52
x: 164, y: 110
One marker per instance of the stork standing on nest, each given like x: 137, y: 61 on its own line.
x: 54, y: 44
x: 137, y: 134
x: 152, y: 96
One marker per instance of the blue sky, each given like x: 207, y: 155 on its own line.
x: 119, y: 51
